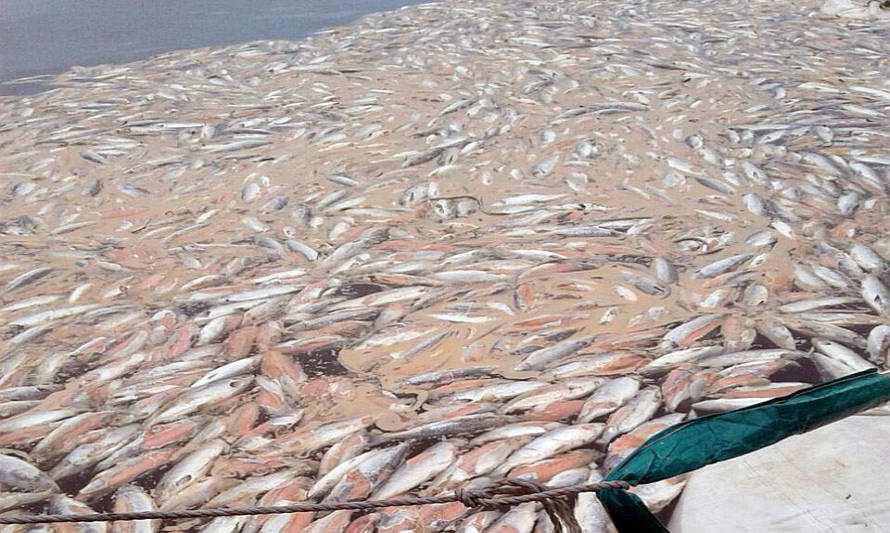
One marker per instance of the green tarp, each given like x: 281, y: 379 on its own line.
x: 696, y: 443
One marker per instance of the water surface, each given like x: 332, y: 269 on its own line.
x: 45, y: 37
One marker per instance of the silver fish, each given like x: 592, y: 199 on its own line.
x: 638, y: 410
x: 417, y: 470
x: 551, y: 443
x: 20, y: 475
x: 876, y: 295
x: 542, y: 357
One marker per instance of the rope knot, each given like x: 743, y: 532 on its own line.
x: 560, y: 507
x: 515, y: 487
x: 478, y: 499
x: 472, y: 499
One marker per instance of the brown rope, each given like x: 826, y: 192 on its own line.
x: 560, y: 510
x: 504, y: 493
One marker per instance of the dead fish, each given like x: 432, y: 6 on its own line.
x: 477, y: 462
x: 660, y: 494
x: 327, y: 481
x: 684, y: 333
x: 867, y: 258
x: 848, y: 203
x: 876, y: 295
x: 275, y: 204
x: 551, y: 443
x: 236, y: 146
x: 498, y: 391
x: 250, y: 192
x: 817, y: 303
x: 251, y: 487
x: 92, y: 188
x: 26, y: 278
x: 588, y: 511
x: 830, y: 276
x: 42, y: 419
x: 369, y: 474
x: 307, y: 440
x: 842, y: 354
x: 348, y: 448
x: 664, y: 363
x: 545, y: 167
x: 542, y: 357
x: 188, y: 470
x: 93, y: 157
x: 777, y: 333
x: 567, y: 390
x: 456, y: 106
x: 748, y: 356
x: 637, y: 410
x: 224, y: 524
x: 723, y: 405
x: 132, y: 499
x: 515, y: 430
x: 761, y: 238
x: 208, y: 394
x: 417, y: 470
x: 665, y: 270
x: 444, y: 376
x: 60, y: 504
x: 878, y: 344
x: 754, y: 173
x: 721, y: 266
x: 519, y: 519
x: 830, y: 368
x: 14, y: 500
x: 18, y: 474
x: 84, y: 456
x: 463, y: 425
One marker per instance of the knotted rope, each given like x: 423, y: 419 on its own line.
x: 558, y: 503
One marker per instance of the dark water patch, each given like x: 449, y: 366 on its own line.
x: 72, y: 369
x: 861, y: 329
x: 105, y: 504
x: 322, y: 363
x: 191, y: 309
x: 761, y: 343
x: 800, y: 371
x: 263, y: 416
x: 41, y: 507
x: 149, y: 480
x: 357, y: 290
x: 802, y: 342
x: 71, y: 485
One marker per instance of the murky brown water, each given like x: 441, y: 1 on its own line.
x: 575, y: 223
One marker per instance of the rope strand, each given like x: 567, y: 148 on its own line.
x: 506, y: 492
